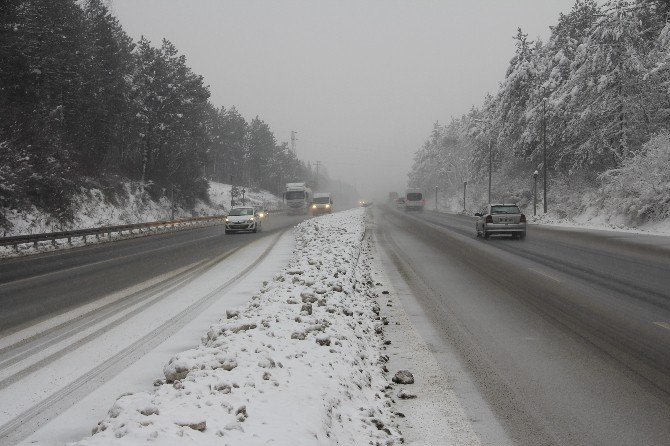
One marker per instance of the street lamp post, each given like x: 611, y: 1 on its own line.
x: 172, y: 203
x: 243, y: 199
x: 535, y: 174
x: 465, y: 185
x: 435, y: 198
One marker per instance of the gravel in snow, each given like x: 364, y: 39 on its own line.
x: 301, y: 364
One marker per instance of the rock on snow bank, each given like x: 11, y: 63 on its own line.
x: 301, y: 364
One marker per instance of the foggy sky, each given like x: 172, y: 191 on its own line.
x: 362, y: 82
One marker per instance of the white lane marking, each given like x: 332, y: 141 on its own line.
x: 11, y: 339
x: 100, y: 262
x: 665, y: 325
x: 548, y: 276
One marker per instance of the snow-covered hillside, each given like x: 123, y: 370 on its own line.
x: 93, y: 209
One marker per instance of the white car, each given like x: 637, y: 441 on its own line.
x: 243, y: 219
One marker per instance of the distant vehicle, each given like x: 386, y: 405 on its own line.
x: 298, y: 197
x: 261, y: 212
x: 501, y: 219
x: 243, y: 219
x: 393, y: 196
x: 364, y: 203
x: 321, y: 204
x: 400, y: 203
x: 414, y: 200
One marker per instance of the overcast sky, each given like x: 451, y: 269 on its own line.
x: 362, y: 82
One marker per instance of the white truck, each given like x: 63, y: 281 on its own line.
x: 414, y: 200
x: 298, y: 197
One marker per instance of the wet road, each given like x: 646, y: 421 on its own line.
x: 35, y: 287
x: 566, y: 334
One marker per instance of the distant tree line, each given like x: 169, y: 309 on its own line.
x: 82, y: 105
x: 600, y: 86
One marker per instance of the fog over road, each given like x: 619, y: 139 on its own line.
x: 565, y: 334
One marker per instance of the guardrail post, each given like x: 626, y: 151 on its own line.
x: 16, y: 247
x: 69, y: 240
x: 35, y: 244
x: 84, y: 239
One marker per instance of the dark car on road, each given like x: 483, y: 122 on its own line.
x: 496, y: 219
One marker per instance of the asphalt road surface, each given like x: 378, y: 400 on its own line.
x: 566, y: 334
x: 35, y: 287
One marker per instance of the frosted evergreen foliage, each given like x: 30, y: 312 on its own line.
x: 600, y: 85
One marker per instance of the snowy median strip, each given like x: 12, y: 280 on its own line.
x: 301, y: 364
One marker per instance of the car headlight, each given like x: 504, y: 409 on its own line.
x: 313, y: 206
x: 261, y: 215
x: 252, y: 219
x: 226, y: 220
x: 327, y: 206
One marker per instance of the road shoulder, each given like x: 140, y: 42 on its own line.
x: 436, y: 415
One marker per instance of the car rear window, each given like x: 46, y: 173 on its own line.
x: 505, y: 210
x: 414, y: 196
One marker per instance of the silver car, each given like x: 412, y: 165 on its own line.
x: 496, y: 219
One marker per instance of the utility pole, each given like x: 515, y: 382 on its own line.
x: 535, y: 174
x: 490, y: 165
x: 490, y: 154
x: 293, y: 140
x: 465, y: 185
x: 435, y: 198
x: 544, y: 150
x: 316, y: 186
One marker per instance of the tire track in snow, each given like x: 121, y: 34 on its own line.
x: 27, y: 422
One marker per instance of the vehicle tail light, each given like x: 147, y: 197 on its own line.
x: 522, y: 219
x: 489, y: 219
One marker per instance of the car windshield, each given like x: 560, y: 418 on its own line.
x: 322, y: 200
x: 414, y: 196
x: 295, y: 195
x: 505, y: 210
x: 241, y: 211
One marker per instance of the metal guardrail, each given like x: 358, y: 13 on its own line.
x: 151, y: 226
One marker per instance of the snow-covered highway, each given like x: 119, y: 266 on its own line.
x: 563, y: 338
x: 74, y: 319
x: 37, y: 286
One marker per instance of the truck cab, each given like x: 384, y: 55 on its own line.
x: 298, y: 197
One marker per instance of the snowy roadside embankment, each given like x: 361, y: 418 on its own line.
x: 92, y: 209
x: 301, y: 364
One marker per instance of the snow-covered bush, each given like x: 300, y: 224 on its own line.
x: 640, y: 188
